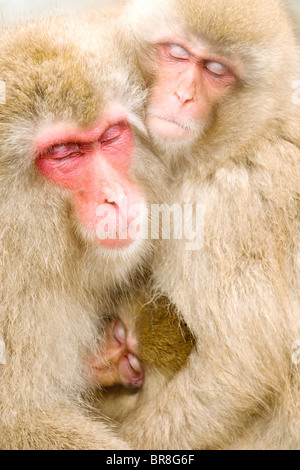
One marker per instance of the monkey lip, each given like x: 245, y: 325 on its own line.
x: 120, y: 237
x: 115, y: 233
x: 167, y: 127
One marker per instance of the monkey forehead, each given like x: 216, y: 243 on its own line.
x: 52, y: 69
x: 227, y: 21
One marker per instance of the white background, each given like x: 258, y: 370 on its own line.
x: 11, y: 10
x: 15, y: 9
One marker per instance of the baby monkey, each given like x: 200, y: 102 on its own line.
x: 148, y: 338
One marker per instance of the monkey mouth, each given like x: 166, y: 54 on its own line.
x: 170, y: 120
x: 168, y: 128
x: 123, y: 235
x: 123, y: 229
x: 115, y: 233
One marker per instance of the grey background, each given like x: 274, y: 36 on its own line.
x: 14, y: 9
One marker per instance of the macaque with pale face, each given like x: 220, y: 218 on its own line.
x: 221, y: 113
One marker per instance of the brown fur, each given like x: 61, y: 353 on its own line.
x: 164, y: 344
x: 54, y: 281
x: 240, y: 293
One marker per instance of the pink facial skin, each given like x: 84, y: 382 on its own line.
x: 94, y: 166
x: 118, y: 363
x: 188, y: 85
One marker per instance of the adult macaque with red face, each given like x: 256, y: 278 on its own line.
x: 220, y: 109
x: 93, y: 165
x: 72, y: 215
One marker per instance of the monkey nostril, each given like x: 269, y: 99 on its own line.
x: 185, y: 97
x: 116, y: 197
x: 109, y: 202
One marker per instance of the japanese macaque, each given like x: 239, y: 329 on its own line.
x: 146, y: 345
x: 71, y: 216
x: 221, y: 112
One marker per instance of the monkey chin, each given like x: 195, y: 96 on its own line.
x: 168, y: 128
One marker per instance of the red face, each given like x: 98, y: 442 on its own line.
x: 188, y: 84
x: 94, y: 167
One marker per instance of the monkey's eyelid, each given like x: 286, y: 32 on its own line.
x: 66, y: 150
x: 113, y: 133
x: 69, y: 149
x: 177, y: 52
x: 110, y: 141
x: 217, y: 68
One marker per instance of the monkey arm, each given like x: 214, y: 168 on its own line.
x: 58, y: 429
x: 62, y: 428
x: 239, y: 297
x: 37, y: 412
x: 224, y: 386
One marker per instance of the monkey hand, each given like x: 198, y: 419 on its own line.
x: 116, y: 362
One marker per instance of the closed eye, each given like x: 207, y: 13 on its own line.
x: 216, y: 68
x: 63, y: 151
x: 177, y: 52
x: 113, y: 133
